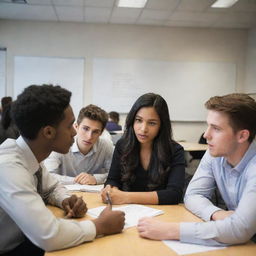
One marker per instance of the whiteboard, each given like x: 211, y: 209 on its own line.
x: 66, y: 72
x: 117, y: 83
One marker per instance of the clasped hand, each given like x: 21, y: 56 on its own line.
x: 85, y: 179
x: 117, y: 196
x: 74, y: 207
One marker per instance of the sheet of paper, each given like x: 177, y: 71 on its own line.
x: 85, y: 188
x: 185, y: 248
x: 133, y: 213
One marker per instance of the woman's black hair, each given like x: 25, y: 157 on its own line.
x: 162, y: 150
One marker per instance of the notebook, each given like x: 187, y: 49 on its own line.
x: 85, y: 188
x: 133, y: 213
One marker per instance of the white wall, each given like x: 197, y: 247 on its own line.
x: 250, y: 85
x: 125, y: 41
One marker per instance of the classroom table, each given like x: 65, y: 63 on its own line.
x: 191, y: 146
x: 128, y: 243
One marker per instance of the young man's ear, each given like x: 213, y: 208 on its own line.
x: 243, y: 135
x: 49, y: 132
x: 75, y: 126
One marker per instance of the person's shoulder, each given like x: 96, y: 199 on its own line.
x: 176, y: 146
x: 120, y: 142
x: 59, y: 155
x: 104, y: 142
x: 10, y: 153
x: 8, y: 146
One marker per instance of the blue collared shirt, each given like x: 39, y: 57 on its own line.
x: 237, y: 186
x: 65, y: 167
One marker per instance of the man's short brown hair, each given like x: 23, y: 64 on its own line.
x: 240, y: 108
x: 95, y: 113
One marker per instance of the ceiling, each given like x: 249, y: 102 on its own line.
x: 175, y: 13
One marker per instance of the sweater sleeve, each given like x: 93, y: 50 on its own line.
x: 173, y: 192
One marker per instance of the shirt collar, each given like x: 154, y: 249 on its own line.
x: 249, y: 154
x: 74, y: 147
x: 31, y: 161
x: 94, y: 149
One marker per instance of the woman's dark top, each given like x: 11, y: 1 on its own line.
x: 170, y: 192
x: 10, y: 132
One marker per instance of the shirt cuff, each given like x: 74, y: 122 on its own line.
x: 89, y: 229
x: 208, y: 212
x: 100, y: 178
x: 187, y: 232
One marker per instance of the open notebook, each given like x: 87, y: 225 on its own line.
x: 85, y: 188
x: 133, y: 213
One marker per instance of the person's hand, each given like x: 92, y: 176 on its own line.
x: 85, y: 178
x: 109, y: 222
x: 158, y: 230
x: 117, y: 196
x: 74, y: 207
x: 221, y: 215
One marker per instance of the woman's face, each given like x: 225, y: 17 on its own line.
x: 146, y: 125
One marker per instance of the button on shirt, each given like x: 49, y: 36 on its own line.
x: 237, y: 186
x: 22, y: 210
x: 96, y: 162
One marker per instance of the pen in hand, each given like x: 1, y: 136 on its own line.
x: 109, y: 200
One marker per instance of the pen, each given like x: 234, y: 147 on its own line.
x: 109, y: 200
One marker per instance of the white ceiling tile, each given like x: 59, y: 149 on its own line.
x: 207, y: 18
x: 27, y: 12
x: 194, y: 5
x: 162, y: 4
x: 69, y: 13
x: 40, y: 2
x: 122, y: 20
x: 176, y: 23
x: 99, y: 3
x: 245, y: 6
x: 98, y: 15
x: 131, y: 13
x: 155, y: 14
x: 238, y: 17
x: 194, y: 13
x: 155, y: 22
x: 68, y: 2
x: 239, y: 20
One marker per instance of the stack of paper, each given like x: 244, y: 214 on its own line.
x: 184, y: 248
x: 85, y: 188
x: 133, y: 213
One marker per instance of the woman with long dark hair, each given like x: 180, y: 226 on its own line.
x: 7, y: 127
x: 148, y: 166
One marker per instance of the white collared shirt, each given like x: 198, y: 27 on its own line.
x: 22, y: 210
x: 96, y: 162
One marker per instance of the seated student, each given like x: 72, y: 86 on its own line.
x: 148, y: 167
x: 7, y: 127
x: 45, y: 121
x: 229, y: 163
x: 89, y: 159
x: 113, y: 120
x: 5, y: 101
